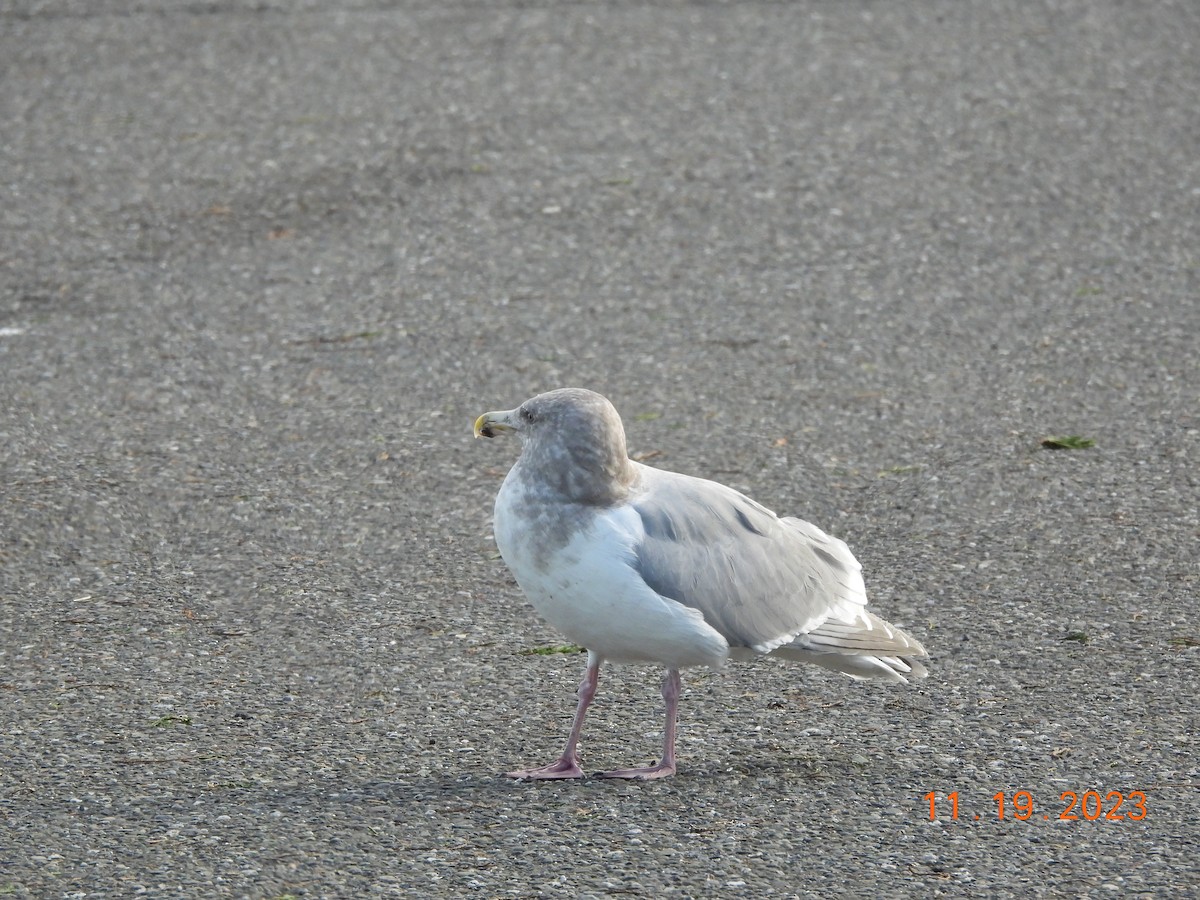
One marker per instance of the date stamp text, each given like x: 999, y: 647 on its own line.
x: 1072, y: 806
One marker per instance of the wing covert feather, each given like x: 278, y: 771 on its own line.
x: 758, y: 579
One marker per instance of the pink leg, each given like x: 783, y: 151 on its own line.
x: 670, y: 692
x: 567, y: 765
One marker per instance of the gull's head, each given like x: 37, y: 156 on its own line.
x: 569, y: 414
x: 572, y: 437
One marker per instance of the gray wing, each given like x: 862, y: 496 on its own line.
x: 758, y: 579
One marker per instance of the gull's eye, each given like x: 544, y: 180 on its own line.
x: 527, y: 416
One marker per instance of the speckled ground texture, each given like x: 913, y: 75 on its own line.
x: 262, y: 263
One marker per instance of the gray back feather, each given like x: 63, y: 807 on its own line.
x: 757, y: 579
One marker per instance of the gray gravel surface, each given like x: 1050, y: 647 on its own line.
x: 261, y: 263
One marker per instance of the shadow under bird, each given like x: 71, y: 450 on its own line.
x: 638, y: 564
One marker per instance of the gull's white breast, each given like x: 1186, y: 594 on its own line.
x: 585, y: 583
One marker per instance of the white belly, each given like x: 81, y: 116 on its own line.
x: 588, y: 589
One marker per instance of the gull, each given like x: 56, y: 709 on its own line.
x: 638, y: 564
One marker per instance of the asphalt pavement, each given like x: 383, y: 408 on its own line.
x: 263, y: 262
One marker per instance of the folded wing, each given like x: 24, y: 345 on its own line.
x: 767, y: 584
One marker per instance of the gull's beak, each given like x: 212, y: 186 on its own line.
x: 491, y: 424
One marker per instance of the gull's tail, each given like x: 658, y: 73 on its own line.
x: 867, y: 647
